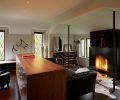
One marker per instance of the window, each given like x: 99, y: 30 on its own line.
x: 38, y: 37
x: 2, y: 45
x: 82, y: 48
x: 87, y: 46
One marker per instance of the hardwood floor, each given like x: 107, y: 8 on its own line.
x: 11, y: 93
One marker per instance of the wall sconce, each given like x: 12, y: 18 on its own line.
x: 77, y: 41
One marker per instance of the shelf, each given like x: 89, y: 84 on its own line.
x: 64, y: 59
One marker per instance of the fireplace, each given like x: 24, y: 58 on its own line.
x: 102, y: 44
x: 101, y: 64
x: 101, y: 60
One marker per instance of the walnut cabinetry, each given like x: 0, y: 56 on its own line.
x: 40, y: 79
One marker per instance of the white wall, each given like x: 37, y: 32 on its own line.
x: 53, y: 46
x: 53, y: 42
x: 15, y: 39
x: 12, y: 40
x: 49, y: 40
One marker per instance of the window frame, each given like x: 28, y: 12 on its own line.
x: 4, y: 44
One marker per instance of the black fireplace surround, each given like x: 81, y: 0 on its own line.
x: 102, y: 45
x: 104, y: 52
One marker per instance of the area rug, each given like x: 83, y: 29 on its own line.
x: 105, y: 86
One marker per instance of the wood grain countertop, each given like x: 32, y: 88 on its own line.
x: 34, y: 65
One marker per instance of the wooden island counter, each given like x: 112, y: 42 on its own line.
x: 40, y: 79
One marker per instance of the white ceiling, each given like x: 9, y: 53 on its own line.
x: 99, y: 19
x: 24, y: 16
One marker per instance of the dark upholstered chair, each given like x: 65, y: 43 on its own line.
x: 80, y: 84
x: 4, y: 78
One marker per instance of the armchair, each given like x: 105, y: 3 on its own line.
x: 4, y: 78
x: 80, y: 84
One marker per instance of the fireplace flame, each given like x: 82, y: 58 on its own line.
x: 101, y: 63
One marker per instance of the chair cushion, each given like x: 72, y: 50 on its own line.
x: 80, y: 83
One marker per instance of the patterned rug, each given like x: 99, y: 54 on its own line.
x: 105, y: 86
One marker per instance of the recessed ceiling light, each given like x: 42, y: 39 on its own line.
x: 28, y: 2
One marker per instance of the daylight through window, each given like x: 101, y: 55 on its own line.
x: 2, y: 47
x: 87, y: 46
x: 38, y: 37
x: 82, y: 47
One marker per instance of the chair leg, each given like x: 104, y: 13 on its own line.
x: 93, y: 95
x: 2, y: 87
x: 7, y: 85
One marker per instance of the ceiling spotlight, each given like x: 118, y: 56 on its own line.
x: 28, y: 2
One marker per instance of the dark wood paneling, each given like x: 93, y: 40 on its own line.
x: 102, y: 38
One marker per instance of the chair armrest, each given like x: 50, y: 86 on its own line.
x: 80, y: 84
x: 6, y: 73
